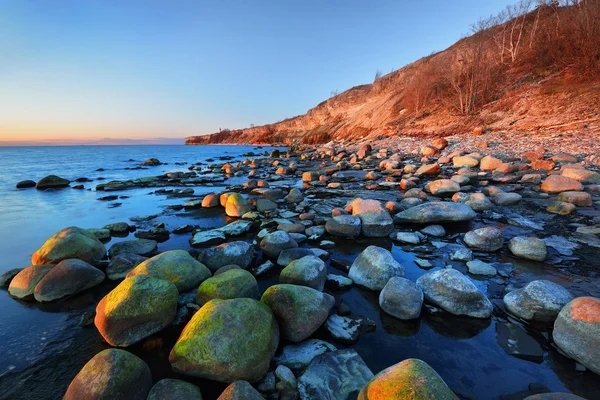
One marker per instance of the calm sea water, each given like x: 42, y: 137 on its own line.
x: 42, y: 346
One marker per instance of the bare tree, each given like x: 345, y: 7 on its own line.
x: 378, y: 75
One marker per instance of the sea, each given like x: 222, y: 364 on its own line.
x: 43, y: 346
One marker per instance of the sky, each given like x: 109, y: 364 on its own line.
x: 77, y: 70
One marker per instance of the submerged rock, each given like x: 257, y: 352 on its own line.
x: 137, y: 308
x: 374, y: 267
x: 401, y: 298
x: 455, y: 293
x: 436, y: 212
x: 530, y: 248
x: 226, y: 341
x: 111, y: 374
x: 67, y: 278
x: 52, y: 182
x: 409, y: 379
x: 72, y: 242
x: 538, y: 301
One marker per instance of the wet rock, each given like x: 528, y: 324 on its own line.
x: 434, y: 230
x: 530, y: 248
x: 517, y: 342
x: 409, y: 237
x: 235, y: 228
x: 478, y: 267
x: 118, y: 228
x: 152, y: 162
x: 137, y: 308
x: 52, y: 182
x: 176, y: 266
x: 24, y: 282
x: 428, y: 169
x: 489, y: 163
x: 409, y: 379
x: 559, y: 183
x: 288, y: 255
x: 373, y: 267
x: 375, y: 220
x: 158, y: 234
x: 142, y: 247
x: 102, y: 235
x: 236, y: 205
x: 477, y: 201
x: 231, y: 284
x: 237, y: 339
x: 207, y: 238
x: 338, y: 281
x: 401, y: 298
x: 335, y: 375
x: 263, y: 268
x: 577, y: 331
x: 7, y: 277
x: 121, y: 264
x: 67, y: 278
x: 581, y: 175
x: 344, y: 226
x: 507, y: 199
x: 298, y: 356
x: 286, y: 383
x: 111, y: 374
x: 307, y: 271
x: 72, y: 242
x: 174, y: 389
x: 485, y: 239
x: 210, y: 200
x: 436, y: 212
x: 300, y: 310
x: 442, y: 187
x: 462, y: 254
x: 25, y: 184
x: 449, y: 289
x: 275, y: 242
x: 581, y: 199
x: 344, y: 329
x: 239, y: 253
x: 241, y: 390
x: 465, y: 161
x: 561, y: 208
x: 539, y: 300
x: 294, y: 196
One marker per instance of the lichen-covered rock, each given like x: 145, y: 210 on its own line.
x: 401, y: 298
x: 436, y: 212
x: 236, y: 205
x: 455, y: 293
x: 230, y: 284
x: 300, y: 310
x: 538, y: 301
x: 23, y: 284
x: 142, y: 247
x: 306, y: 271
x: 344, y: 226
x: 226, y: 341
x: 174, y: 389
x: 374, y: 267
x: 275, y: 242
x: 488, y: 239
x: 335, y: 375
x: 72, y: 242
x: 238, y: 253
x: 409, y: 379
x: 577, y: 331
x: 375, y: 220
x: 176, y: 266
x: 137, y: 308
x: 67, y: 278
x: 240, y: 390
x: 530, y: 248
x: 111, y: 374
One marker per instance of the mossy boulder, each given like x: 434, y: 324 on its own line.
x: 52, y: 182
x: 137, y: 308
x: 306, y: 271
x: 231, y: 284
x: 111, y: 374
x: 226, y: 341
x: 72, y: 242
x: 23, y: 284
x: 409, y: 379
x: 300, y: 310
x: 174, y: 389
x: 176, y: 266
x: 67, y: 278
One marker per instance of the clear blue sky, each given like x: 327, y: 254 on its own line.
x: 172, y: 68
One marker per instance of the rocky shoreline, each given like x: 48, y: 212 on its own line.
x: 466, y: 212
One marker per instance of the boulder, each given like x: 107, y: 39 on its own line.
x: 344, y: 226
x: 449, y: 289
x: 478, y: 267
x: 507, y: 199
x: 489, y: 163
x: 375, y: 220
x: 577, y: 331
x: 410, y: 379
x: 25, y: 184
x: 300, y: 310
x: 335, y: 375
x: 118, y: 228
x: 239, y: 253
x: 538, y: 301
x: 111, y: 374
x: 121, y: 264
x: 306, y: 271
x: 465, y: 161
x: 142, y: 247
x: 487, y: 239
x: 7, y: 276
x: 67, y: 278
x: 294, y: 196
x: 275, y: 242
x: 230, y: 284
x: 72, y: 242
x: 442, y: 187
x: 298, y: 356
x: 137, y: 308
x: 236, y: 205
x: 240, y: 390
x: 22, y: 284
x: 401, y: 298
x: 561, y: 208
x: 436, y: 212
x: 210, y: 200
x: 582, y: 199
x: 207, y: 238
x: 52, y: 182
x: 374, y: 267
x: 581, y: 175
x: 174, y: 389
x: 288, y: 255
x: 530, y: 248
x: 226, y: 341
x: 176, y: 266
x: 559, y: 183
